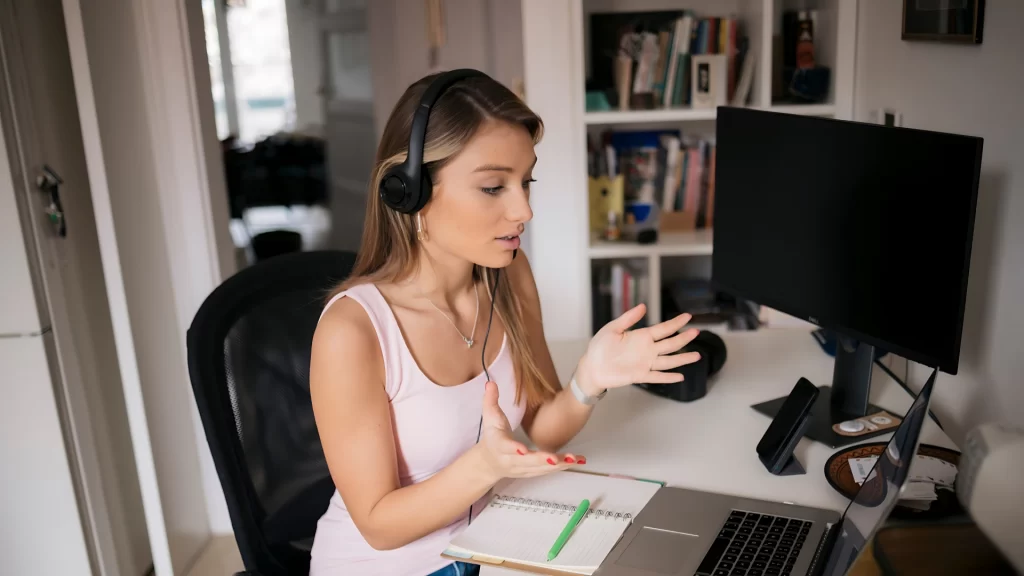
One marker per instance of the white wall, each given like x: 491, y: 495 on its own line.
x: 307, y: 62
x: 506, y: 46
x: 486, y: 35
x: 973, y: 90
x: 554, y: 89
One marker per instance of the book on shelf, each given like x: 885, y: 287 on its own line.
x: 644, y: 60
x: 617, y: 287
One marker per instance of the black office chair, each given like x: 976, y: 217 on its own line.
x: 248, y: 359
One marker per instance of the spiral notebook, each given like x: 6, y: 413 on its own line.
x: 524, y: 517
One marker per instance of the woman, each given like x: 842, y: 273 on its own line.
x: 413, y: 435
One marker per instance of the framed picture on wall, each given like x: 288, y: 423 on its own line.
x: 943, y: 20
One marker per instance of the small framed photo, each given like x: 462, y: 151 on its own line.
x: 709, y: 83
x: 944, y: 20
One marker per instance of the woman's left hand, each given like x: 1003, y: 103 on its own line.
x: 618, y: 356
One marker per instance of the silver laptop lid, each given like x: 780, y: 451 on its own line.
x: 881, y: 489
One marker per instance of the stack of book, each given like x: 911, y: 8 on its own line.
x: 675, y: 172
x: 616, y: 288
x: 689, y: 181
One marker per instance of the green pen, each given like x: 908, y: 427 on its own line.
x: 581, y: 511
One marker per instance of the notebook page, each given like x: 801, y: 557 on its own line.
x: 564, y: 487
x: 524, y: 533
x: 526, y: 536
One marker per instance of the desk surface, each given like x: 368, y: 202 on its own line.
x: 710, y: 444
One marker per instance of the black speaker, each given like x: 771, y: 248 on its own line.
x: 696, y: 375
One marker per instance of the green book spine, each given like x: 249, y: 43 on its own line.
x: 681, y: 88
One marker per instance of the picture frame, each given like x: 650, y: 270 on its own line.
x: 709, y: 82
x: 957, y: 21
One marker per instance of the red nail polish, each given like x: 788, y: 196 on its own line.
x: 520, y: 452
x: 569, y: 460
x: 581, y: 461
x: 551, y: 461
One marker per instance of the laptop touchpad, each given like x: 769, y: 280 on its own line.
x: 660, y: 551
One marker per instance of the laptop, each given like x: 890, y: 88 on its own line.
x: 698, y: 533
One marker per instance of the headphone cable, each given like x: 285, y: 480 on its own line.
x: 487, y: 333
x: 483, y: 362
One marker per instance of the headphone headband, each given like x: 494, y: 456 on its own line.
x: 406, y: 188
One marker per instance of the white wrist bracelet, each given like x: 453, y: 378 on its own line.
x: 582, y: 396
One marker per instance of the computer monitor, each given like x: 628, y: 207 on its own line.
x: 862, y: 229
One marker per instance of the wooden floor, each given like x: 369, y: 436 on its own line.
x: 220, y: 558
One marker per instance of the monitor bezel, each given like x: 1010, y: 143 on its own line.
x: 949, y: 365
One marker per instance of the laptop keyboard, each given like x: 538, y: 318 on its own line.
x: 755, y: 545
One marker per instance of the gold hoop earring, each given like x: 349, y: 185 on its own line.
x: 421, y: 232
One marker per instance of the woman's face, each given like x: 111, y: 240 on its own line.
x: 481, y: 200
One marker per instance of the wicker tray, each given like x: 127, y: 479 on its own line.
x: 839, y: 476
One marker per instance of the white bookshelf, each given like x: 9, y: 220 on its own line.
x: 694, y: 243
x: 610, y: 117
x: 677, y: 115
x: 556, y: 66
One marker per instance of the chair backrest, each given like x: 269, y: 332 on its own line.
x: 248, y: 358
x: 273, y: 243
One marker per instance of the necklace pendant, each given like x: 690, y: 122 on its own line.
x: 469, y: 343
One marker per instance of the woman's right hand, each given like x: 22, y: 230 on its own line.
x: 504, y: 456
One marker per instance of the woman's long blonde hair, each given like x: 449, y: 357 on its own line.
x: 389, y: 246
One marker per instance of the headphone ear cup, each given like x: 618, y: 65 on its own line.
x: 394, y: 189
x: 425, y: 189
x: 712, y: 350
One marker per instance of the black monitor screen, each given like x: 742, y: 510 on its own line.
x: 860, y: 228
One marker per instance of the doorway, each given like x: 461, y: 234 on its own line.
x: 292, y: 94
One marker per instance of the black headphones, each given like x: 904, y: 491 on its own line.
x: 407, y: 187
x: 698, y: 375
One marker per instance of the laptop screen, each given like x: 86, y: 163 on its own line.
x: 881, y: 489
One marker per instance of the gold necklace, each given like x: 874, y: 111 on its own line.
x: 469, y: 341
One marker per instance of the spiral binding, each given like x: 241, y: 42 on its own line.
x: 514, y: 502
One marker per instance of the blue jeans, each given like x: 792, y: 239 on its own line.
x: 458, y: 569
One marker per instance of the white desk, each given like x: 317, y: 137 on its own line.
x: 709, y: 444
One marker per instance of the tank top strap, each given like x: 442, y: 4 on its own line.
x: 389, y: 335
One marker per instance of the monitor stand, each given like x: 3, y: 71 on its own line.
x: 846, y: 399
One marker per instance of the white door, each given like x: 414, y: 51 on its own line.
x: 39, y: 508
x: 48, y: 181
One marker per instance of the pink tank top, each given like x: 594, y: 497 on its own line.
x: 433, y: 426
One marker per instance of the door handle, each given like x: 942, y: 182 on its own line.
x: 50, y: 182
